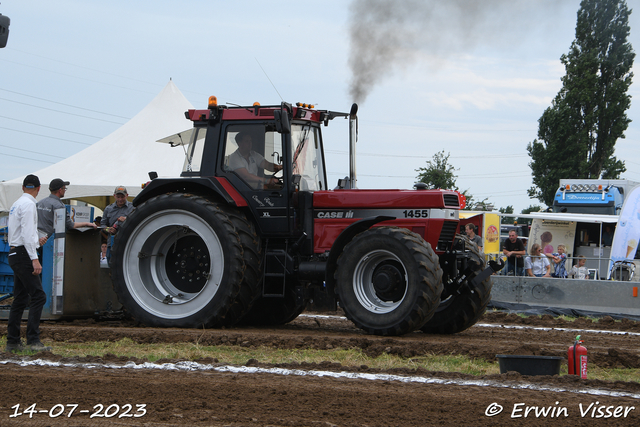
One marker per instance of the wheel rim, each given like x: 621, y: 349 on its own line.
x: 173, y: 264
x: 380, y: 281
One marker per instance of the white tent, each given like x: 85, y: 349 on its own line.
x: 124, y: 157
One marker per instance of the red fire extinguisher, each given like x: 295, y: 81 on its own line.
x: 577, y: 359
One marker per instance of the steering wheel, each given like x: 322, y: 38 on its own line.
x: 279, y: 181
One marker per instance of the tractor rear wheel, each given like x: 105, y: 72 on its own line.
x: 272, y: 311
x: 388, y: 281
x: 461, y: 311
x: 177, y: 261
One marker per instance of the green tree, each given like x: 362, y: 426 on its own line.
x: 578, y: 132
x: 531, y: 208
x: 506, y: 219
x: 438, y: 173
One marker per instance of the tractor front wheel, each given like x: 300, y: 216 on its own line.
x: 388, y: 281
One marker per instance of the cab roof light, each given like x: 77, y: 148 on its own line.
x: 256, y: 104
x: 300, y: 104
x: 213, y: 102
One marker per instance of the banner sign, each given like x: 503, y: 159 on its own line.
x: 625, y: 239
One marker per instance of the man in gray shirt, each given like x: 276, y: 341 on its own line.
x: 115, y: 214
x: 46, y: 211
x: 470, y: 229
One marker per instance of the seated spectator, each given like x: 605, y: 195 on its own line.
x: 559, y: 258
x: 537, y: 265
x: 580, y: 271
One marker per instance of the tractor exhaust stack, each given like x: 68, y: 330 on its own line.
x: 353, y: 138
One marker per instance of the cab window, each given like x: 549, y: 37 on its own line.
x: 255, y: 155
x: 193, y: 158
x: 306, y: 158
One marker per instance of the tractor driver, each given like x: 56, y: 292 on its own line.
x: 245, y: 162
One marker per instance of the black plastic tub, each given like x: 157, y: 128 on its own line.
x: 529, y: 365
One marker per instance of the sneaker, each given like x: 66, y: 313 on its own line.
x: 38, y: 346
x: 14, y: 347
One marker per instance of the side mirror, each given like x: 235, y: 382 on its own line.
x: 282, y: 121
x: 4, y: 30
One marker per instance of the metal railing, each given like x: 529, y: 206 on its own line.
x: 621, y: 270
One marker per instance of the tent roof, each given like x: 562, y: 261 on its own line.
x: 125, y: 157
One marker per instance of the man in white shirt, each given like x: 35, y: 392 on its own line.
x: 246, y: 162
x: 23, y: 260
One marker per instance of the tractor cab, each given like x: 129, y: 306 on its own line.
x: 263, y: 155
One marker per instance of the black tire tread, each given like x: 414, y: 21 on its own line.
x: 272, y: 311
x: 252, y: 254
x: 468, y: 307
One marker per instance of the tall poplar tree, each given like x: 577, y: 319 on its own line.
x: 578, y: 132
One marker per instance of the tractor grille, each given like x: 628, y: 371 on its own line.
x: 451, y: 200
x: 447, y: 234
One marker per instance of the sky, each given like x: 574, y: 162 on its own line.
x: 470, y: 78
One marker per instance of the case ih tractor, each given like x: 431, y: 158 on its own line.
x: 250, y: 233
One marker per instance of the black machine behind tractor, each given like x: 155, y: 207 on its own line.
x: 250, y: 233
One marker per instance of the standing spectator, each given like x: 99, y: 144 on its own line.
x: 559, y: 258
x: 104, y: 263
x: 580, y: 271
x: 23, y: 260
x: 537, y: 265
x: 115, y: 214
x: 607, y: 236
x: 47, y: 206
x: 470, y: 229
x: 514, y: 250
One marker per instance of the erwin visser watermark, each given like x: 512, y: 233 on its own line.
x: 591, y: 410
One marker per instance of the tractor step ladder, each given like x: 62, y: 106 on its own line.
x: 278, y: 263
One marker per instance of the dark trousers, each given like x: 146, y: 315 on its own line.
x: 25, y: 286
x: 517, y: 271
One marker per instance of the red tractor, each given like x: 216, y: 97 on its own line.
x: 250, y: 233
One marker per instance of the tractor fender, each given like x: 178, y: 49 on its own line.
x: 345, y: 237
x: 211, y: 187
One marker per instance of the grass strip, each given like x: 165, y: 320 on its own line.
x: 236, y: 355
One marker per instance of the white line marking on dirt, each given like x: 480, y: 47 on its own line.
x: 540, y: 328
x: 494, y: 325
x: 194, y: 366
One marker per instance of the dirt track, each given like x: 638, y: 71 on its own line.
x: 259, y: 397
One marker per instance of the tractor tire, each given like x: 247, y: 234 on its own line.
x: 273, y: 311
x: 388, y: 280
x: 252, y: 254
x: 177, y: 261
x: 459, y: 312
